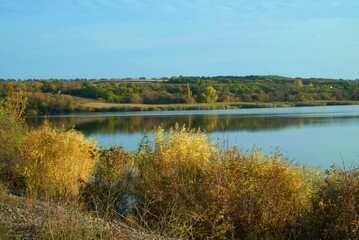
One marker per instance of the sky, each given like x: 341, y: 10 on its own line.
x: 164, y: 38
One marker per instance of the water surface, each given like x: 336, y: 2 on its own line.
x: 316, y: 136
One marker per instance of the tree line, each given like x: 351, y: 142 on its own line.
x: 62, y: 95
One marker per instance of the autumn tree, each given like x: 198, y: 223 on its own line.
x: 208, y: 95
x: 298, y: 83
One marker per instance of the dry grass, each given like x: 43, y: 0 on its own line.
x: 186, y: 187
x: 103, y: 106
x: 32, y: 219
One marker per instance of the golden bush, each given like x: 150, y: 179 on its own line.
x: 264, y: 196
x: 11, y: 134
x: 335, y: 212
x: 190, y: 187
x: 171, y: 179
x: 55, y: 162
x: 182, y: 146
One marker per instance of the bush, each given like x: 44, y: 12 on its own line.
x: 11, y: 134
x: 188, y: 187
x: 55, y: 162
x: 181, y: 184
x: 112, y: 181
x: 171, y: 179
x: 262, y: 197
x: 336, y: 206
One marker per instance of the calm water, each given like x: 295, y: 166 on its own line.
x: 315, y: 136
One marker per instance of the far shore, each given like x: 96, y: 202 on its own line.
x: 88, y: 106
x: 120, y: 107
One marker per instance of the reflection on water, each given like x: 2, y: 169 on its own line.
x: 209, y: 123
x: 311, y: 135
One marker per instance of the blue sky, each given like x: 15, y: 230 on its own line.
x: 157, y: 38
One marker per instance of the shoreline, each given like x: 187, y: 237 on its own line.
x: 96, y: 106
x: 119, y: 107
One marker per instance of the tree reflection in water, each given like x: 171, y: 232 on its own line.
x: 220, y: 123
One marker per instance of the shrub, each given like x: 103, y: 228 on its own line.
x: 336, y: 206
x: 171, y: 179
x: 11, y: 134
x: 188, y: 187
x: 55, y: 162
x: 183, y: 185
x: 263, y: 197
x: 111, y: 182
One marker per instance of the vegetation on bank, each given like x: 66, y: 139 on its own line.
x: 28, y: 218
x: 63, y: 96
x: 121, y: 107
x: 179, y: 185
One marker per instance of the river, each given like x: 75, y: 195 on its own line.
x: 317, y: 136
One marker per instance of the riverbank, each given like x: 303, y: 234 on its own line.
x: 27, y: 218
x: 60, y: 96
x: 96, y: 106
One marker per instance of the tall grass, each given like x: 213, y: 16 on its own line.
x: 183, y: 185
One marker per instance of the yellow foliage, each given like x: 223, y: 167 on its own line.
x: 181, y: 146
x: 55, y: 162
x: 11, y: 134
x: 192, y: 188
x: 171, y: 177
x: 256, y: 196
x: 16, y: 104
x: 336, y: 205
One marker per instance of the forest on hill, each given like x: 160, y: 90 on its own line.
x: 49, y: 96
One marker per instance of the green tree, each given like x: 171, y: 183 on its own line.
x: 188, y: 92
